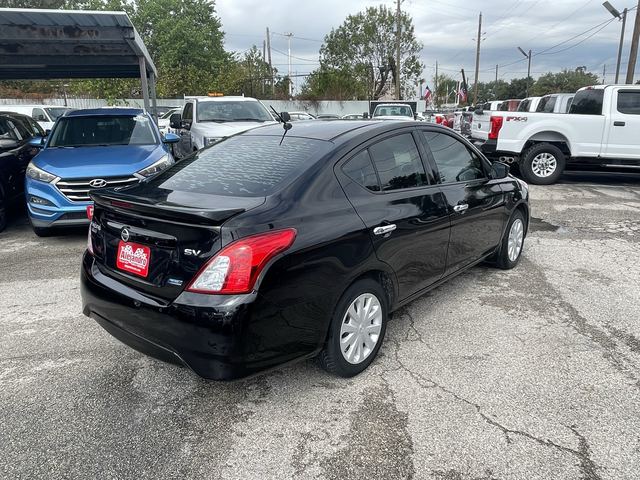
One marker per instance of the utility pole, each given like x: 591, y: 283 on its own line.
x: 613, y: 11
x: 289, y: 35
x: 475, y: 88
x: 496, y: 73
x: 528, y: 55
x: 273, y: 87
x: 435, y: 92
x: 398, y: 36
x: 604, y: 72
x: 264, y: 59
x: 633, y: 54
x: 464, y: 86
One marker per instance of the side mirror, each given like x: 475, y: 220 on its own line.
x: 499, y: 170
x: 365, y: 115
x: 479, y: 111
x: 171, y: 138
x: 175, y: 120
x: 47, y: 132
x: 285, y: 116
x: 36, y: 142
x: 415, y: 116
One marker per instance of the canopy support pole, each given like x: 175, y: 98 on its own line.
x: 143, y: 82
x: 154, y: 100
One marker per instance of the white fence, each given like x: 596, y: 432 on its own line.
x: 326, y: 106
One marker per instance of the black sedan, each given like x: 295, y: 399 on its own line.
x: 264, y: 249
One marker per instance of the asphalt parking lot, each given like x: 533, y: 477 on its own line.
x: 532, y: 373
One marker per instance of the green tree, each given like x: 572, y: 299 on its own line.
x: 326, y: 83
x: 567, y: 81
x: 363, y: 47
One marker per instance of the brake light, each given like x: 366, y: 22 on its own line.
x: 89, y: 242
x: 90, y: 212
x: 496, y: 125
x: 237, y: 266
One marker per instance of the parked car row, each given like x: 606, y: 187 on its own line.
x: 599, y: 132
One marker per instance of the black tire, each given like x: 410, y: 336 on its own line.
x: 502, y: 259
x: 331, y: 357
x: 42, y: 232
x: 527, y: 159
x: 3, y: 209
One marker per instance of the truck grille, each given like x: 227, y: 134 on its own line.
x: 78, y: 190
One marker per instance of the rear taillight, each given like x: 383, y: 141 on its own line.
x: 237, y: 266
x: 496, y: 125
x: 90, y: 212
x: 89, y: 242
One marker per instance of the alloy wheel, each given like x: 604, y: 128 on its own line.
x: 361, y: 327
x: 515, y: 240
x: 544, y: 164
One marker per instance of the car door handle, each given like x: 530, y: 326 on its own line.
x: 618, y: 124
x: 383, y: 230
x: 461, y: 208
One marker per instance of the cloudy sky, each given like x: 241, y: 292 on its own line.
x: 552, y: 29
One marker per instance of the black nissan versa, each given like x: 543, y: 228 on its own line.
x: 264, y: 249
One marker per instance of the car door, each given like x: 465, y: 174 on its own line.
x: 622, y: 139
x: 475, y: 203
x: 185, y: 145
x: 404, y: 211
x: 11, y: 158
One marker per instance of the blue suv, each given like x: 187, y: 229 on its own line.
x: 86, y: 150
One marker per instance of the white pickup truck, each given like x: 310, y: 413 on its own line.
x: 601, y: 131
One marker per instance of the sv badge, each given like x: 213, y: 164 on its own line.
x: 192, y: 252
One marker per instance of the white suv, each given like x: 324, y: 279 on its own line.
x: 206, y: 120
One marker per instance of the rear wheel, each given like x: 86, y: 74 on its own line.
x: 542, y: 164
x: 357, y: 329
x: 511, y: 248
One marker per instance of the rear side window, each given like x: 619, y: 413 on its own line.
x: 587, y: 102
x: 547, y: 104
x: 398, y: 163
x: 244, y: 166
x: 38, y: 114
x: 629, y: 102
x: 360, y: 170
x: 524, y: 106
x: 455, y: 162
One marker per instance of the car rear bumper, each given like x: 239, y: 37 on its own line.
x: 220, y: 337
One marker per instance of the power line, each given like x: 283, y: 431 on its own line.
x: 293, y: 56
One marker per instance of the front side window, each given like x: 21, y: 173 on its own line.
x: 360, y: 170
x: 629, y: 102
x: 398, y: 163
x: 103, y: 130
x: 454, y: 161
x: 232, y: 111
x: 8, y: 131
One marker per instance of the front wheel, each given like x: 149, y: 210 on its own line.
x: 542, y: 164
x: 510, y: 250
x: 357, y: 329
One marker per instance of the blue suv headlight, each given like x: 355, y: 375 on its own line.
x: 39, y: 174
x: 156, y: 167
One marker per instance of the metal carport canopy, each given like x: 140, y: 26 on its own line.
x: 53, y: 44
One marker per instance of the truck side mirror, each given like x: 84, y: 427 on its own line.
x: 175, y: 120
x: 285, y: 116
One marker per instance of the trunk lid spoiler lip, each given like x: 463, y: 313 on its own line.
x: 171, y: 212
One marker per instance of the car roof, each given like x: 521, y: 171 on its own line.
x: 95, y: 112
x: 235, y: 98
x: 329, y: 131
x: 13, y: 114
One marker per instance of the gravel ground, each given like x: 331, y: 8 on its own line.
x: 527, y: 374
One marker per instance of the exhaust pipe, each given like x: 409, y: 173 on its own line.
x: 507, y: 160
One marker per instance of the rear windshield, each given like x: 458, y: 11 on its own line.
x: 243, y: 166
x: 233, y: 111
x: 587, y: 102
x: 547, y: 104
x: 55, y: 112
x: 103, y: 130
x: 392, y: 111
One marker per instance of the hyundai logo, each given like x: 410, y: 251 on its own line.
x: 124, y: 235
x: 98, y: 183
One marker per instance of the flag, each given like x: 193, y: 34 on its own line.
x: 427, y: 93
x: 462, y: 93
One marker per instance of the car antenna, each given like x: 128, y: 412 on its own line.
x: 283, y: 117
